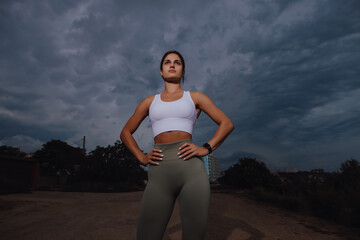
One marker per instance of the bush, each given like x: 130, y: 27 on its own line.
x: 249, y: 173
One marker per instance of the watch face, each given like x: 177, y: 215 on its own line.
x: 208, y: 147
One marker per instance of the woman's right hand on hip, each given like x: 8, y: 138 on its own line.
x: 151, y: 157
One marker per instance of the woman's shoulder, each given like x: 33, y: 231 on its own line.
x: 199, y: 98
x: 147, y: 101
x: 197, y: 95
x: 149, y: 98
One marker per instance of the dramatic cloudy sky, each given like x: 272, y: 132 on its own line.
x: 286, y: 72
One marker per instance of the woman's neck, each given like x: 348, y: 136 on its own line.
x: 172, y: 87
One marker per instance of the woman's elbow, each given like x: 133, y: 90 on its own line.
x: 227, y: 125
x: 231, y: 126
x: 123, y: 134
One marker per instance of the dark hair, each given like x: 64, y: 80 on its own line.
x: 181, y: 58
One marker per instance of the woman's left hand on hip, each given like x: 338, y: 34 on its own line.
x: 189, y: 150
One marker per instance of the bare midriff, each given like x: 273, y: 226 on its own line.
x: 172, y: 136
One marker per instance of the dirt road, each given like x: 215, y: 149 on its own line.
x: 63, y: 215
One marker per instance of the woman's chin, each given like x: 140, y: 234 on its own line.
x: 173, y: 80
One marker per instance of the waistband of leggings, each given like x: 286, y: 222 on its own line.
x: 171, y: 145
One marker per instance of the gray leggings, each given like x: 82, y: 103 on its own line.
x: 172, y: 178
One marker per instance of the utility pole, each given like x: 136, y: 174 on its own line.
x: 84, y: 150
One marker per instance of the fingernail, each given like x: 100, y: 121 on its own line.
x: 160, y: 150
x: 161, y: 158
x: 180, y: 156
x: 179, y: 148
x: 157, y: 163
x: 162, y: 155
x: 178, y: 153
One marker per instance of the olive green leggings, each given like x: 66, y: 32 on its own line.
x: 172, y: 178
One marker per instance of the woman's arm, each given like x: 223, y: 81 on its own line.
x: 205, y: 104
x: 130, y: 127
x: 218, y: 116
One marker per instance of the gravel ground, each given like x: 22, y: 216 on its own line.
x: 74, y: 215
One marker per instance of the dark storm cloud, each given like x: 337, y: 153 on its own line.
x: 297, y: 67
x: 286, y: 72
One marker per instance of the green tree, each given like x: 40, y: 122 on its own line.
x: 56, y: 155
x: 113, y: 164
x: 248, y: 173
x: 350, y: 174
x: 11, y: 151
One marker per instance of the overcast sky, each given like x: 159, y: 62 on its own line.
x: 287, y: 73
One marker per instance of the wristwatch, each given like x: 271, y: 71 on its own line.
x: 208, y: 147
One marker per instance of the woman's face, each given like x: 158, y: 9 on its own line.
x: 172, y: 68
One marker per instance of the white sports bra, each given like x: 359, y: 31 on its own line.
x: 179, y: 115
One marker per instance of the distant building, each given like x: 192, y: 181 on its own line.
x: 291, y: 170
x: 212, y: 165
x: 18, y: 174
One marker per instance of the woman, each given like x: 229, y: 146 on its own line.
x: 176, y: 167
